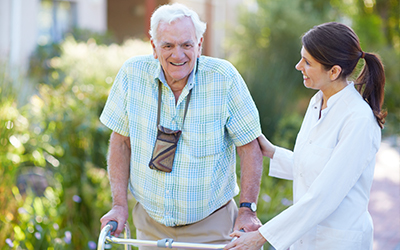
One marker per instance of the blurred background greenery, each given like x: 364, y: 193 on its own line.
x: 53, y: 179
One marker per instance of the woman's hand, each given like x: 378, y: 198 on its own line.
x: 252, y: 241
x: 267, y: 148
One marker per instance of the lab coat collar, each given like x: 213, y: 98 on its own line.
x: 332, y: 100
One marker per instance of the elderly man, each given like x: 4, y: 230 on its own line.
x: 184, y: 185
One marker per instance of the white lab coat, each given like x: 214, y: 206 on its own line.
x: 332, y: 169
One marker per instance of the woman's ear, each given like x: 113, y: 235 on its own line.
x: 335, y: 72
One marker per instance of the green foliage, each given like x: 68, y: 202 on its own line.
x: 266, y: 48
x: 57, y: 147
x: 12, y: 126
x: 40, y: 66
x: 377, y: 24
x: 83, y: 35
x: 391, y: 60
x: 287, y: 130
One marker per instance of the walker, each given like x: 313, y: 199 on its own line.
x: 105, y: 239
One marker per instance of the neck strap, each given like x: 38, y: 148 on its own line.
x: 159, y: 104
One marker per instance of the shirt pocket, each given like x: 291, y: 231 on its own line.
x: 335, y: 239
x: 205, y: 139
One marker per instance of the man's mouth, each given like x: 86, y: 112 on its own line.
x: 178, y: 64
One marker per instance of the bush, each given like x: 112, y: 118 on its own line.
x: 13, y: 125
x: 57, y: 147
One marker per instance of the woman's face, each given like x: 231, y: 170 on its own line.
x: 314, y: 74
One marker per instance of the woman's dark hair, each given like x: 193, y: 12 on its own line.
x: 337, y: 44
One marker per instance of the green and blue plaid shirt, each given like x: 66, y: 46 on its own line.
x: 220, y: 116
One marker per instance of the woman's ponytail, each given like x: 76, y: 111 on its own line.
x: 371, y: 83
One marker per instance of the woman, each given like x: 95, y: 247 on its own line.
x: 332, y: 164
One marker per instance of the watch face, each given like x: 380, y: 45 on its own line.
x: 253, y: 207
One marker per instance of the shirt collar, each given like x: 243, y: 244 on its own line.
x: 160, y: 76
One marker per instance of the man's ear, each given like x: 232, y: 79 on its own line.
x: 154, y: 49
x: 335, y: 72
x: 200, y: 47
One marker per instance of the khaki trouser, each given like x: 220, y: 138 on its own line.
x: 214, y: 229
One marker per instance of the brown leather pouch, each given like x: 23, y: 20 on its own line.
x: 164, y: 149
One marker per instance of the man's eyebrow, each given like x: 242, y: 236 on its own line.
x: 165, y: 43
x: 188, y: 41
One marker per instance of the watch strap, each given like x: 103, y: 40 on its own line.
x: 252, y: 206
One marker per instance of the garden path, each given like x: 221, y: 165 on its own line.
x: 384, y: 204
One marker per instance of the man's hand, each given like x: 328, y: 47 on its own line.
x: 247, y: 220
x: 117, y: 213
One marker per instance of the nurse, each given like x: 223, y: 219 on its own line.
x: 332, y: 164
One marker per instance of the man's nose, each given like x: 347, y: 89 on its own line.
x: 177, y: 52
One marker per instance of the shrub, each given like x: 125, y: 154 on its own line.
x: 57, y: 147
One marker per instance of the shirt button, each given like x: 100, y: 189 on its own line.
x: 310, y: 141
x: 301, y: 241
x: 301, y: 174
x: 167, y: 191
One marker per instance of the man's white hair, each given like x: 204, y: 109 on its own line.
x: 169, y: 13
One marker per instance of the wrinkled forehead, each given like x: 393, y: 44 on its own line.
x: 179, y: 30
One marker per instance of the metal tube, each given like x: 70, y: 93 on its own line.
x: 102, y: 237
x: 127, y: 235
x: 105, y: 237
x: 135, y: 242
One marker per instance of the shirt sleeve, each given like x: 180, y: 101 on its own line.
x: 281, y: 166
x: 356, y: 148
x: 114, y: 114
x: 243, y: 124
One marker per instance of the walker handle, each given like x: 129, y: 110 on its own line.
x: 105, y: 236
x: 113, y: 225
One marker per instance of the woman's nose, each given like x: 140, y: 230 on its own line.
x: 298, y: 66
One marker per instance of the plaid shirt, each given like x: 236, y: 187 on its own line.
x: 220, y: 116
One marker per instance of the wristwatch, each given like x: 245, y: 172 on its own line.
x: 252, y: 206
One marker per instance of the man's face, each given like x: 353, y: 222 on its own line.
x: 177, y: 49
